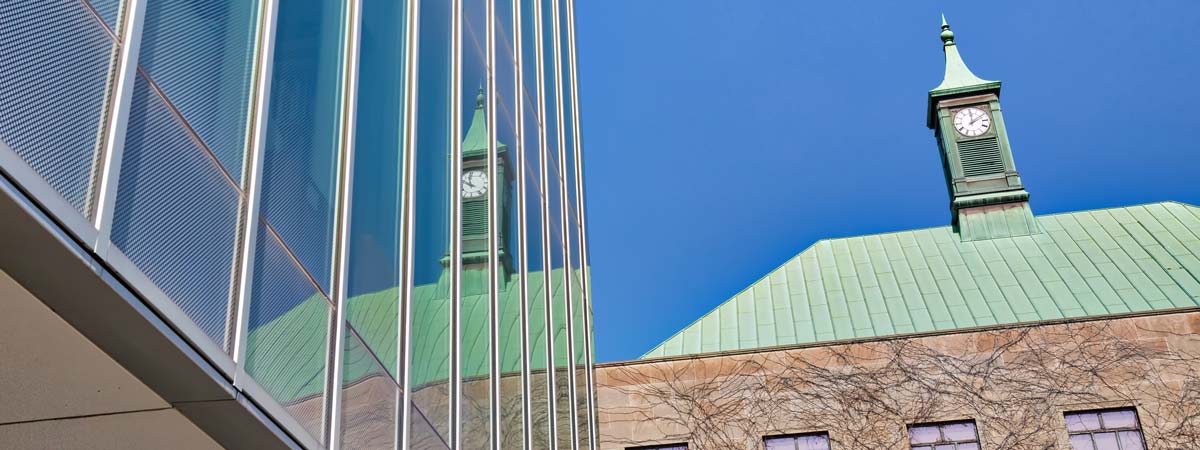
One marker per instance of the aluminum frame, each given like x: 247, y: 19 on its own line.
x: 493, y: 228
x: 407, y: 223
x: 581, y: 222
x: 109, y: 163
x: 455, y: 263
x: 522, y: 226
x: 564, y: 207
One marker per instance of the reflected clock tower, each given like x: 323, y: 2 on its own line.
x: 476, y: 191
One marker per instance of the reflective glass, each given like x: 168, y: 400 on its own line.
x: 1131, y: 440
x: 373, y: 293
x: 288, y: 334
x: 1105, y: 441
x: 780, y: 443
x: 1082, y: 421
x: 475, y: 194
x: 959, y: 431
x: 538, y: 284
x: 1082, y: 442
x: 511, y: 351
x: 1124, y: 418
x: 201, y: 54
x: 369, y: 397
x: 175, y: 209
x: 300, y: 158
x: 429, y: 367
x: 923, y: 434
x: 58, y: 63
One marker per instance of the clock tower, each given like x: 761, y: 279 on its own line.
x: 475, y: 190
x: 987, y: 199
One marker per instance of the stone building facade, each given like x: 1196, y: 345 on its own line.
x: 1015, y: 383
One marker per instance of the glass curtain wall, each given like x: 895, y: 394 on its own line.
x: 366, y: 213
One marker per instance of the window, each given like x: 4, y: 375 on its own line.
x: 1113, y: 429
x: 661, y: 447
x: 814, y: 441
x: 944, y: 436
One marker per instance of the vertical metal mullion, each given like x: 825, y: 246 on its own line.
x: 342, y: 210
x: 522, y: 225
x: 564, y: 208
x: 407, y: 221
x: 581, y: 223
x: 456, y: 43
x: 109, y: 167
x: 544, y: 203
x: 253, y: 177
x: 493, y: 228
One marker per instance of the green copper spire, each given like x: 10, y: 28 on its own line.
x: 958, y: 76
x: 476, y: 140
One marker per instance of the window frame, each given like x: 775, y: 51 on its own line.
x: 1137, y: 426
x: 678, y: 445
x: 795, y: 438
x: 942, y: 440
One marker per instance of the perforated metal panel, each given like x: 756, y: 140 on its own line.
x: 981, y: 157
x: 199, y: 52
x: 369, y: 396
x: 176, y: 213
x: 286, y: 351
x: 53, y: 82
x: 109, y: 10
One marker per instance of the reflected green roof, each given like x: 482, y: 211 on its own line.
x: 1088, y: 263
x: 292, y: 361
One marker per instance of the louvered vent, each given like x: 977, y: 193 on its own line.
x: 474, y: 217
x: 980, y: 157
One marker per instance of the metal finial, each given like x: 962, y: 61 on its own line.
x: 947, y: 35
x: 479, y: 97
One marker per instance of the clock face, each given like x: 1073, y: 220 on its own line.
x: 971, y: 122
x: 474, y: 184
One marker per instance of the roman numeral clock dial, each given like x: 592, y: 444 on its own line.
x: 474, y: 184
x: 971, y: 122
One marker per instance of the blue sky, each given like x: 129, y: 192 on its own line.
x: 723, y: 137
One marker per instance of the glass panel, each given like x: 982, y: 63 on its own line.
x: 923, y: 434
x: 922, y: 447
x: 57, y: 63
x: 780, y: 443
x: 200, y: 53
x: 538, y: 282
x: 299, y: 163
x: 475, y: 193
x: 374, y: 271
x: 959, y: 431
x: 430, y: 317
x: 1119, y: 419
x: 944, y: 447
x: 512, y: 396
x: 288, y: 334
x: 1083, y: 422
x: 813, y: 442
x: 369, y: 396
x: 1131, y: 440
x: 1082, y: 442
x: 176, y: 209
x: 968, y: 446
x: 1106, y: 441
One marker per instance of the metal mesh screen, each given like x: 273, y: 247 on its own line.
x: 288, y: 334
x: 176, y: 214
x: 200, y: 52
x: 53, y: 83
x: 109, y: 10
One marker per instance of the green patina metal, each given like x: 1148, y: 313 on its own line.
x: 1088, y: 263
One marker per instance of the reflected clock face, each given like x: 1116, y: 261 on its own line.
x: 474, y: 184
x: 971, y: 122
